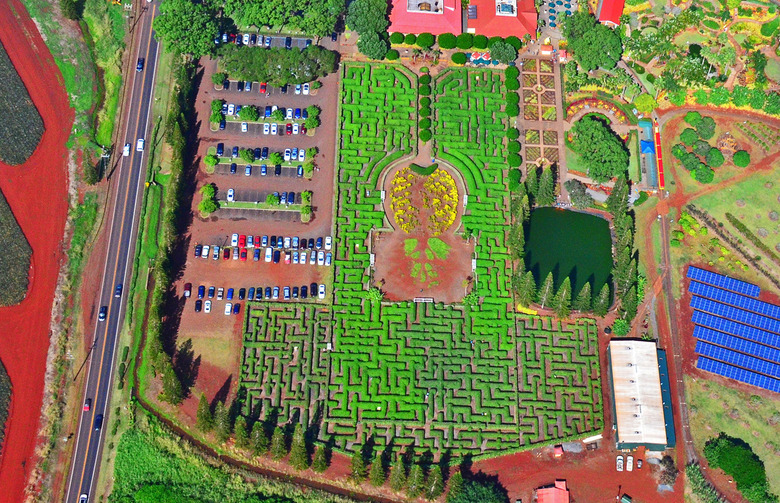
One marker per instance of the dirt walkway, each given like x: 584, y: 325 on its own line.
x: 25, y: 327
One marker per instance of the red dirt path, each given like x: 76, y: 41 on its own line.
x: 25, y: 327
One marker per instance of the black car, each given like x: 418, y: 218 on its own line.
x: 304, y: 292
x: 288, y: 43
x: 241, y: 293
x: 211, y: 292
x: 302, y: 243
x: 268, y: 292
x: 220, y: 149
x: 118, y: 291
x: 308, y: 42
x: 98, y: 422
x: 283, y: 89
x: 252, y: 39
x: 278, y: 170
x: 140, y: 66
x: 277, y: 256
x: 259, y: 293
x: 311, y: 243
x: 198, y: 306
x: 222, y: 124
x: 295, y: 292
x: 248, y: 86
x: 258, y: 152
x: 334, y: 36
x: 264, y: 154
x: 240, y: 86
x: 251, y: 293
x: 233, y: 167
x: 235, y: 151
x: 291, y: 198
x: 273, y: 241
x: 198, y: 249
x: 236, y: 308
x: 313, y: 288
x: 201, y: 291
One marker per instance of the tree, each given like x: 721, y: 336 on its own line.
x: 593, y: 44
x: 629, y: 304
x: 366, y: 16
x: 532, y: 182
x: 259, y: 438
x: 272, y: 199
x: 416, y: 483
x: 275, y: 158
x: 211, y: 160
x: 278, y: 114
x: 299, y: 456
x: 425, y: 135
x: 546, y: 195
x: 320, y: 463
x: 689, y: 136
x: 706, y: 128
x: 398, y: 474
x: 425, y: 40
x: 410, y: 39
x: 377, y: 475
x: 372, y: 45
x: 172, y: 391
x: 397, y: 38
x: 741, y: 158
x: 434, y: 484
x: 526, y: 291
x: 475, y: 491
x: 205, y: 420
x: 503, y: 52
x: 249, y: 113
x: 693, y: 118
x: 703, y: 174
x: 621, y: 327
x: 464, y: 41
x: 187, y: 27
x: 603, y: 152
x: 277, y: 65
x: 562, y: 301
x: 645, y: 103
x: 246, y: 155
x: 459, y: 58
x: 480, y: 42
x: 91, y: 173
x: 455, y: 486
x: 601, y: 303
x: 578, y: 194
x: 583, y: 300
x: 320, y: 17
x: 72, y: 9
x: 701, y: 148
x: 546, y: 292
x: 278, y: 444
x: 392, y: 55
x: 447, y: 41
x: 714, y: 158
x: 357, y: 467
x: 242, y: 437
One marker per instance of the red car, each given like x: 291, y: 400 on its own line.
x: 303, y: 129
x: 287, y: 258
x: 243, y: 254
x: 187, y: 289
x: 263, y: 87
x: 288, y: 129
x: 242, y: 241
x: 226, y: 254
x: 87, y: 405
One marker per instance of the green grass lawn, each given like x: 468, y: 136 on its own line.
x: 715, y: 408
x: 773, y: 70
x: 634, y: 169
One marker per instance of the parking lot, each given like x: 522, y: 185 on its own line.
x: 218, y: 228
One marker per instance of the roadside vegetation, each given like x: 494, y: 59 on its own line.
x: 5, y: 401
x: 15, y: 258
x: 737, y: 459
x: 22, y: 126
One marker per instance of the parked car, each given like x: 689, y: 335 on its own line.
x: 241, y: 293
x: 215, y: 255
x: 304, y: 292
x: 303, y: 258
x: 275, y: 295
x: 252, y: 39
x: 287, y: 154
x: 263, y: 170
x: 207, y: 307
x: 250, y: 295
x: 228, y: 308
x: 233, y: 167
x: 295, y: 257
x: 268, y: 41
x: 198, y: 306
x: 296, y: 128
x: 222, y: 125
x: 278, y: 170
x: 259, y: 293
x: 319, y: 243
x: 257, y: 153
x: 243, y: 254
x: 234, y: 240
x: 300, y: 171
x: 220, y: 149
x: 230, y: 294
x: 205, y: 252
x: 201, y: 291
x: 295, y: 292
x: 334, y: 36
x: 248, y: 86
x: 263, y: 87
x: 267, y: 292
x: 297, y: 89
x: 288, y: 114
x: 264, y: 241
x: 264, y: 154
x: 630, y: 464
x: 231, y: 110
x: 268, y: 111
x: 246, y: 39
x: 306, y: 88
x: 321, y: 293
x: 288, y: 42
x: 248, y: 170
x: 283, y: 89
x: 235, y: 253
x: 187, y: 290
x: 297, y: 114
x: 328, y: 242
x: 274, y: 128
x: 320, y: 257
x: 198, y: 250
x: 211, y: 292
x: 226, y: 254
x: 277, y: 256
x: 328, y: 258
x: 230, y: 195
x: 619, y: 463
x: 287, y: 293
x: 220, y: 293
x: 234, y: 153
x: 287, y: 240
x: 266, y: 128
x: 301, y: 155
x: 244, y: 127
x: 294, y: 154
x: 287, y: 257
x: 288, y: 129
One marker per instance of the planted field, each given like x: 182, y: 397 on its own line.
x: 470, y: 377
x: 5, y: 401
x: 22, y: 126
x: 15, y: 259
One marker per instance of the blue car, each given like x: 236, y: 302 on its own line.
x: 297, y: 113
x: 251, y: 294
x: 220, y: 149
x: 236, y: 308
x: 230, y: 294
x: 267, y: 112
x: 264, y: 170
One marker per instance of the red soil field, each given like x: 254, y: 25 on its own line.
x: 43, y: 178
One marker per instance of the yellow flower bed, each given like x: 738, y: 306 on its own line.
x: 439, y: 193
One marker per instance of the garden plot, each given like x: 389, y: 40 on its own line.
x: 471, y: 376
x: 22, y: 124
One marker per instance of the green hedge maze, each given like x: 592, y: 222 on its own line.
x: 470, y: 378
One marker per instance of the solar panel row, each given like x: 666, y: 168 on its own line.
x: 735, y: 314
x: 735, y: 299
x: 737, y: 329
x: 739, y: 374
x: 719, y: 280
x: 738, y: 359
x: 737, y: 344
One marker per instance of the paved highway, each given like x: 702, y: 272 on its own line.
x: 129, y: 179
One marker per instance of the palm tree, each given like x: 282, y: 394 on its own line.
x: 416, y: 53
x: 435, y: 53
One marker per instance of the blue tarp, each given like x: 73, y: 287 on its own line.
x: 648, y: 147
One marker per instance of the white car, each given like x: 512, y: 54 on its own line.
x: 306, y: 88
x: 288, y: 114
x: 303, y: 258
x: 207, y: 307
x: 295, y: 257
x: 274, y: 128
x: 321, y: 293
x: 246, y: 39
x: 228, y: 308
x: 619, y: 463
x: 296, y: 128
x: 268, y: 254
x: 220, y: 293
x: 313, y: 258
x: 301, y: 155
x: 231, y: 109
x: 231, y: 195
x: 126, y: 150
x: 215, y: 255
x: 630, y: 464
x: 286, y: 242
x: 250, y: 241
x: 244, y: 127
x: 287, y: 154
x: 320, y: 257
x: 205, y: 252
x: 139, y: 145
x: 235, y: 253
x: 328, y: 242
x: 266, y: 128
x: 234, y: 240
x: 297, y: 89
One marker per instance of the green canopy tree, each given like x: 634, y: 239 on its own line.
x: 583, y: 300
x: 377, y: 475
x: 299, y: 455
x: 546, y: 292
x: 503, y: 52
x: 601, y: 302
x: 645, y: 103
x: 278, y: 444
x: 714, y: 158
x: 260, y: 442
x: 532, y: 182
x: 239, y: 429
x: 187, y: 27
x: 416, y: 483
x: 204, y: 419
x: 373, y: 45
x: 546, y: 196
x: 172, y: 391
x: 398, y: 475
x: 562, y: 301
x: 222, y: 424
x: 629, y: 304
x: 434, y: 484
x: 593, y: 45
x: 366, y: 16
x: 357, y: 467
x: 478, y: 492
x: 741, y: 158
x: 455, y: 486
x: 526, y: 291
x: 621, y: 327
x: 320, y: 463
x: 603, y: 153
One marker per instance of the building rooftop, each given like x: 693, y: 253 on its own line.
x: 609, y: 11
x: 502, y: 18
x: 555, y: 494
x: 636, y: 385
x: 431, y: 16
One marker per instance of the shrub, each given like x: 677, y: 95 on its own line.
x: 425, y: 40
x: 514, y: 160
x: 425, y: 102
x: 481, y: 42
x: 514, y: 42
x: 714, y: 158
x: 410, y: 39
x: 425, y: 79
x: 464, y: 41
x: 397, y: 38
x: 513, y: 147
x: 515, y: 175
x: 512, y: 110
x: 512, y: 84
x: 511, y: 72
x: 218, y: 78
x: 741, y: 158
x: 689, y: 136
x: 493, y: 40
x: 693, y: 118
x: 513, y: 133
x: 425, y: 123
x: 425, y: 135
x: 425, y: 90
x: 703, y: 174
x: 424, y: 69
x: 701, y: 148
x: 447, y: 41
x: 425, y: 112
x: 392, y: 55
x: 512, y: 98
x: 459, y: 58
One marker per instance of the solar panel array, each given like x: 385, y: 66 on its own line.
x: 721, y: 281
x: 738, y: 336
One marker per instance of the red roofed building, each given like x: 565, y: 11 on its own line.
x: 609, y: 12
x: 431, y: 16
x: 502, y: 18
x: 556, y: 494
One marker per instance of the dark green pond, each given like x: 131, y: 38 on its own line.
x: 570, y: 244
